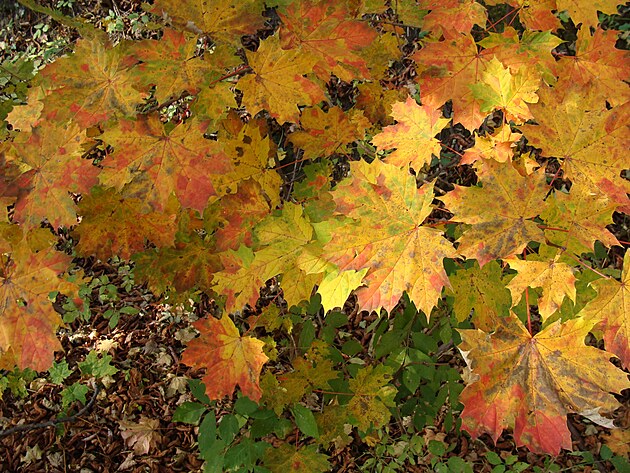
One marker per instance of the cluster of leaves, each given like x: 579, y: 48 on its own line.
x: 271, y: 178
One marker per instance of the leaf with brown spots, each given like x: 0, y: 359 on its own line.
x: 278, y: 84
x: 612, y: 308
x: 531, y: 383
x: 499, y: 213
x: 150, y: 162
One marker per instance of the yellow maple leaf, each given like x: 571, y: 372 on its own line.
x: 500, y: 89
x: 555, y: 278
x: 278, y: 84
x: 386, y: 236
x: 413, y: 136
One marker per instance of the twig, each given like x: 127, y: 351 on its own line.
x: 50, y: 423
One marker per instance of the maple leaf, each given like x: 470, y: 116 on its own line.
x: 250, y: 154
x: 10, y: 236
x: 239, y: 281
x: 531, y: 383
x: 448, y: 17
x: 282, y: 239
x: 445, y: 71
x: 92, y: 85
x: 25, y: 117
x: 313, y: 371
x: 277, y: 84
x: 536, y: 15
x: 498, y: 146
x: 597, y: 60
x: 585, y: 11
x: 498, y: 88
x: 377, y: 102
x: 173, y: 66
x: 190, y: 264
x: 331, y: 423
x: 575, y: 220
x: 28, y: 321
x: 335, y: 287
x: 154, y: 162
x: 531, y: 49
x: 373, y: 396
x: 238, y: 214
x: 498, y: 212
x: 612, y: 308
x: 142, y: 435
x: 286, y: 458
x: 228, y: 358
x: 380, y: 53
x: 546, y: 271
x: 226, y: 21
x: 327, y: 31
x: 50, y: 165
x: 388, y: 238
x: 590, y: 140
x: 481, y: 289
x: 324, y: 133
x: 413, y: 135
x: 112, y: 225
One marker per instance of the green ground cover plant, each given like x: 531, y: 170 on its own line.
x: 357, y: 193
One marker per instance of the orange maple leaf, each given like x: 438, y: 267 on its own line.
x: 324, y: 133
x: 592, y: 142
x: 92, y: 85
x: 50, y: 166
x: 536, y: 15
x: 114, y: 225
x: 330, y: 34
x: 597, y: 60
x: 173, y: 66
x: 150, y: 163
x: 445, y: 71
x: 229, y: 359
x: 531, y: 383
x: 28, y: 321
x: 227, y: 20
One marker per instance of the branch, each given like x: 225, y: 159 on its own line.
x: 50, y: 423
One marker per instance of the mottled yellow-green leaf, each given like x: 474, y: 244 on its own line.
x: 499, y: 213
x: 373, y: 396
x: 387, y: 236
x: 287, y: 459
x: 575, y: 221
x: 501, y: 89
x: 481, y: 289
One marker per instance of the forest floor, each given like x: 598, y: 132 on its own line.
x: 146, y: 345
